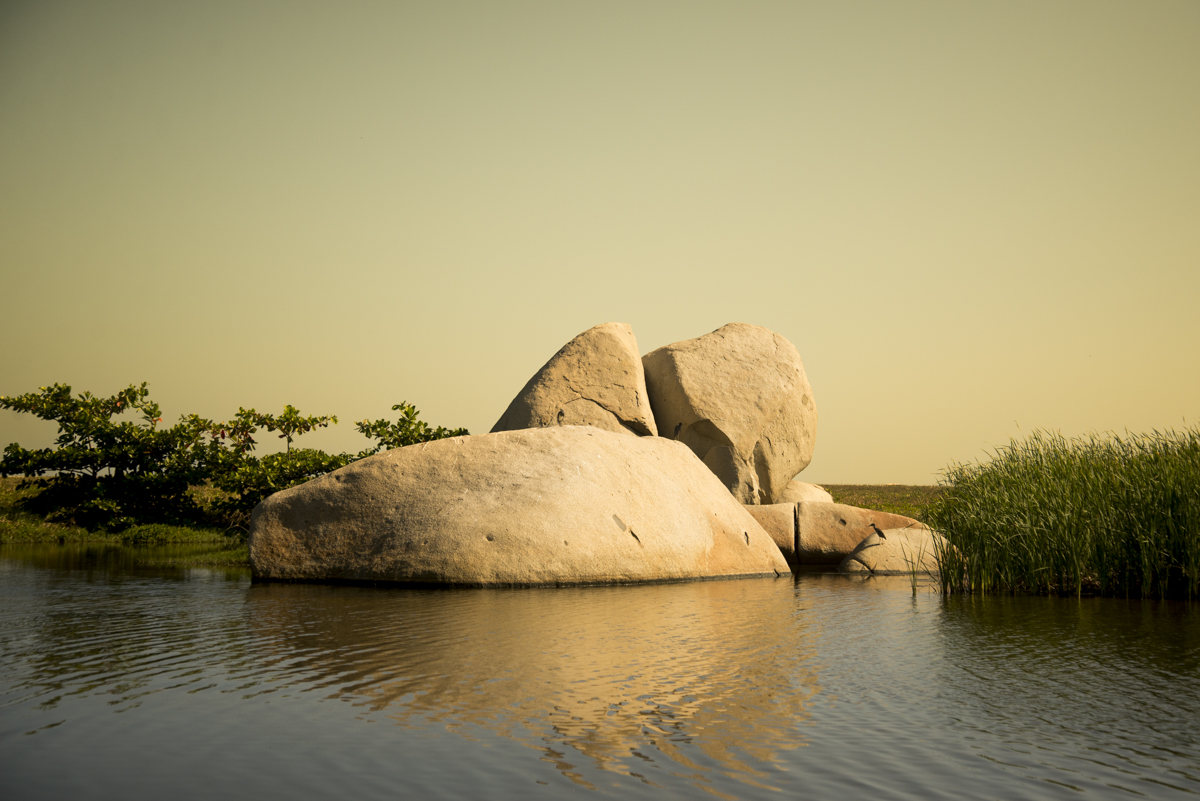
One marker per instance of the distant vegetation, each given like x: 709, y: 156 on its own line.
x: 121, y: 476
x: 1114, y: 516
x: 899, y: 499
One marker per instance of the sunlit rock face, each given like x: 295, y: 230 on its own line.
x: 558, y: 505
x: 595, y: 380
x: 801, y: 492
x: 739, y: 398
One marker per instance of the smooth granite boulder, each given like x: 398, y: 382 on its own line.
x: 827, y: 532
x: 596, y: 379
x: 739, y: 398
x: 899, y: 551
x: 558, y: 505
x: 778, y: 520
x: 800, y: 492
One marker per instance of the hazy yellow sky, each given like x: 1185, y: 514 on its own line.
x: 972, y: 219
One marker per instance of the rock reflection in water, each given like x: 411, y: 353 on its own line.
x: 712, y: 675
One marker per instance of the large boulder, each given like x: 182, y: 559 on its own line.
x: 559, y: 505
x: 827, y: 532
x: 596, y: 380
x: 739, y: 398
x: 778, y: 520
x: 896, y: 552
x: 800, y: 492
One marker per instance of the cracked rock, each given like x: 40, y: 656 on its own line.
x: 818, y: 533
x: 595, y: 380
x: 738, y: 397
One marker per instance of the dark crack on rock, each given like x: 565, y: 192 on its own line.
x: 641, y: 429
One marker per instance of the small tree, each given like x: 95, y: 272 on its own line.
x: 290, y: 424
x: 109, y: 474
x: 248, y: 478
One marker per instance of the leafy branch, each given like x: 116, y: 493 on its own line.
x: 108, y: 473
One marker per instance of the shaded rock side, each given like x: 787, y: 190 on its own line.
x: 559, y: 505
x: 800, y: 492
x: 596, y: 379
x: 739, y: 398
x: 899, y: 552
x: 828, y: 532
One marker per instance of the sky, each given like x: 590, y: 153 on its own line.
x: 973, y: 220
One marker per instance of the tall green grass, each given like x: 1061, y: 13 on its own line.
x: 1109, y: 515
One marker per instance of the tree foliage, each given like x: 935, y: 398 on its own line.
x: 109, y: 471
x: 106, y: 472
x: 408, y: 430
x: 290, y: 424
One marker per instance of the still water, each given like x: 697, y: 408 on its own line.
x: 124, y: 680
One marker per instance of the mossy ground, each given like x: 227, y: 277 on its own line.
x: 236, y: 556
x: 20, y: 526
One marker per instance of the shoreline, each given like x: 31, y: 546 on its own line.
x: 229, y: 548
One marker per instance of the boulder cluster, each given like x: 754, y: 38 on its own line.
x: 607, y: 467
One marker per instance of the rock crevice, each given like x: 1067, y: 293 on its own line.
x: 740, y: 399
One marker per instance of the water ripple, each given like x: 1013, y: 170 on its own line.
x: 738, y: 688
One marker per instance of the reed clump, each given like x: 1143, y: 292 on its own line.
x: 1097, y: 515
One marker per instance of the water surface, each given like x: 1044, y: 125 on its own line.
x: 122, y: 679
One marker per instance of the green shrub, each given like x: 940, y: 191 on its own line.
x: 248, y: 479
x: 110, y: 474
x: 245, y: 478
x: 1117, y: 516
x: 408, y: 430
x: 105, y: 473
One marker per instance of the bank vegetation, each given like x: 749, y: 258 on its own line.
x: 1110, y: 515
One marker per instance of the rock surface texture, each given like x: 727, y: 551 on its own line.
x: 900, y: 551
x: 800, y: 492
x: 596, y: 379
x: 738, y: 397
x: 778, y: 520
x: 827, y: 532
x: 558, y: 505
